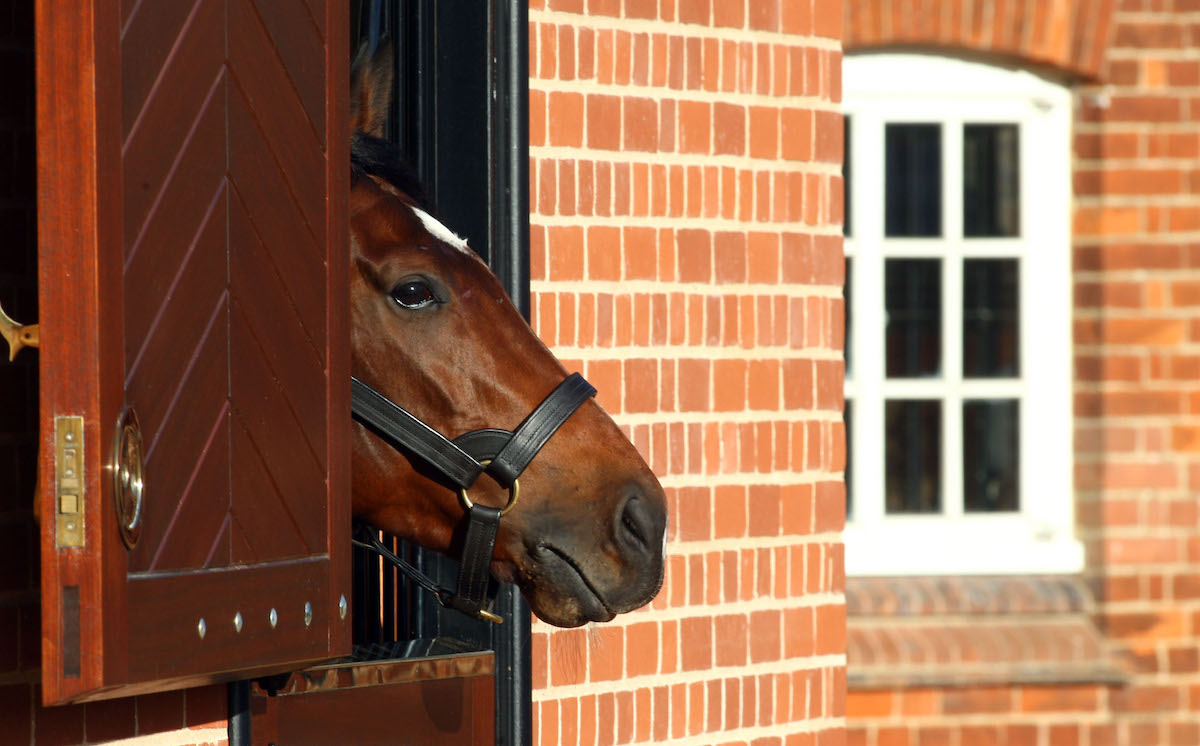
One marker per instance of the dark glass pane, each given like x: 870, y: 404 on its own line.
x: 914, y: 456
x: 846, y: 313
x: 991, y: 180
x: 913, y: 300
x: 991, y: 458
x: 991, y: 318
x: 848, y: 418
x: 913, y: 179
x: 845, y: 176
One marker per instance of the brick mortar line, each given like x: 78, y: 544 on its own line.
x: 1167, y: 17
x: 1137, y: 162
x: 687, y: 481
x: 733, y: 417
x: 993, y: 619
x: 1180, y: 127
x: 1149, y: 383
x: 1146, y: 385
x: 747, y: 416
x: 704, y: 352
x: 680, y: 613
x: 1091, y: 716
x: 684, y: 548
x: 696, y: 289
x: 683, y: 222
x: 1138, y: 89
x: 1133, y: 274
x: 1142, y: 166
x: 1144, y: 605
x: 699, y: 352
x: 685, y: 30
x: 1134, y: 128
x: 752, y: 733
x: 632, y: 684
x: 1177, y: 568
x: 1180, y: 493
x: 1148, y: 314
x: 1123, y: 239
x: 667, y: 93
x: 752, y: 479
x: 1125, y: 54
x: 736, y: 417
x: 1166, y: 199
x: 1101, y: 458
x: 676, y: 158
x: 1101, y: 199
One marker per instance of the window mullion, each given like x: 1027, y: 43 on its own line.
x: 952, y: 318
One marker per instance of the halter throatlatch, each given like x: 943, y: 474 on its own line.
x: 502, y: 454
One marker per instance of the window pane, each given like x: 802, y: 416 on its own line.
x: 914, y: 456
x: 913, y: 179
x: 991, y: 180
x: 846, y: 314
x: 845, y: 176
x: 990, y: 455
x: 991, y: 318
x: 913, y: 300
x: 848, y: 419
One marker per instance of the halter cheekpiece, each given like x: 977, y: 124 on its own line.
x: 502, y: 454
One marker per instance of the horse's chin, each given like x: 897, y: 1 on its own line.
x: 560, y: 592
x: 564, y: 608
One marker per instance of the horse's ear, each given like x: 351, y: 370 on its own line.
x: 371, y: 80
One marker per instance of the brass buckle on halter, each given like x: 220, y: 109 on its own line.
x: 514, y: 494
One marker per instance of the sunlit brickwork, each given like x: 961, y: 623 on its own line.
x: 686, y: 257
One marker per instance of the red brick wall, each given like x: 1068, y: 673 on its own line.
x: 1136, y: 290
x: 687, y: 258
x: 1137, y: 341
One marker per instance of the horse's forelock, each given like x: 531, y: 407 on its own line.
x: 375, y: 156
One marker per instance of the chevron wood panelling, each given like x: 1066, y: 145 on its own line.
x: 223, y: 156
x: 193, y: 175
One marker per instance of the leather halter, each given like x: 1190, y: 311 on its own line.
x: 502, y: 454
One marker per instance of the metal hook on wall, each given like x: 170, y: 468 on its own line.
x: 18, y: 336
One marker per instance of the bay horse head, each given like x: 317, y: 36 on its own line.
x: 433, y: 330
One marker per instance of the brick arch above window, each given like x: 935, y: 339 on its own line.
x: 1070, y: 35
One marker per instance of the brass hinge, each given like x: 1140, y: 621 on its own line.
x: 68, y: 480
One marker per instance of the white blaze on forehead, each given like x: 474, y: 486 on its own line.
x: 439, y: 231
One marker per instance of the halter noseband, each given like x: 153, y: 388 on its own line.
x: 502, y: 454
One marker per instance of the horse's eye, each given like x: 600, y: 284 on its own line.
x: 413, y: 294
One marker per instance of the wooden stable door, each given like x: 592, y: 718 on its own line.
x: 192, y: 177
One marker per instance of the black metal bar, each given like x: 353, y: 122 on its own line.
x: 510, y: 148
x: 509, y: 214
x: 239, y: 713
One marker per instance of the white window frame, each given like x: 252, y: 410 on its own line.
x: 1040, y: 537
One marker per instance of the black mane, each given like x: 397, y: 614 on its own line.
x: 375, y: 156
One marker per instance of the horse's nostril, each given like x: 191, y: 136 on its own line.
x: 635, y: 525
x: 631, y: 526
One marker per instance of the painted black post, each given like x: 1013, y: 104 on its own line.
x: 462, y: 118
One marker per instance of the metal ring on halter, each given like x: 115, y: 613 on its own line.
x: 514, y: 494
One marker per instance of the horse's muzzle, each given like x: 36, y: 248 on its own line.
x: 581, y: 575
